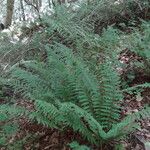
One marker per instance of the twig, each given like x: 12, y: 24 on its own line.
x: 36, y: 8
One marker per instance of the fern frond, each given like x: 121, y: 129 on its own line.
x: 9, y: 111
x: 128, y: 124
x: 46, y: 113
x: 140, y: 86
x: 108, y: 109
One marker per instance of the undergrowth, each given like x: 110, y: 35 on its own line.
x: 67, y: 93
x: 69, y: 72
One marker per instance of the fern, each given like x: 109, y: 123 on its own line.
x: 110, y: 96
x: 9, y: 125
x: 135, y: 88
x: 66, y: 92
x: 138, y: 42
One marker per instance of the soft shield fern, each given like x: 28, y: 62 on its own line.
x: 66, y: 92
x: 110, y: 96
x: 8, y: 123
x: 138, y: 42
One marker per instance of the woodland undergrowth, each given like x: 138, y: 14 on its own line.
x: 71, y: 73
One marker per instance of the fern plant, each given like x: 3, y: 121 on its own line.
x: 66, y: 93
x: 66, y: 90
x: 138, y: 42
x: 9, y: 124
x: 9, y: 111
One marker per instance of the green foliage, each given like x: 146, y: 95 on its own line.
x: 66, y: 92
x: 76, y: 146
x: 110, y: 96
x: 138, y: 42
x: 137, y: 87
x: 79, y: 86
x: 5, y: 92
x: 9, y: 125
x: 119, y: 147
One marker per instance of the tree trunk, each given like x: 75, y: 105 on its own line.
x: 49, y: 4
x: 40, y: 3
x: 22, y: 10
x: 37, y: 3
x: 9, y: 11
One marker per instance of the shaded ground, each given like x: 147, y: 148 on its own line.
x: 135, y: 102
